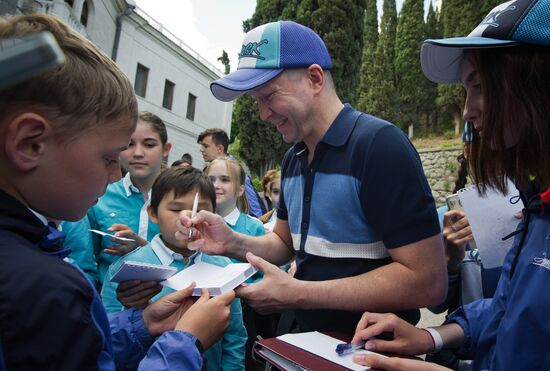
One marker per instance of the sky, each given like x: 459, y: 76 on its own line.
x: 210, y: 26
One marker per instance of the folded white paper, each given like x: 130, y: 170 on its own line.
x: 110, y: 235
x: 130, y: 270
x: 217, y: 280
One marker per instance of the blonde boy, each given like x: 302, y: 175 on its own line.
x: 60, y: 137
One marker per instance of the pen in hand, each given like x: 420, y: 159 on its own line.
x: 194, y: 212
x: 346, y: 348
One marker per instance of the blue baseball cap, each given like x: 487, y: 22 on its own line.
x: 267, y: 51
x: 509, y: 24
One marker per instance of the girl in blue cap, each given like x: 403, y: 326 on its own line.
x: 504, y: 66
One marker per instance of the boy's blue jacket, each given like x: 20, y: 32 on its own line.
x: 511, y: 331
x: 51, y: 317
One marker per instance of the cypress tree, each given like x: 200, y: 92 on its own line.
x: 408, y: 74
x: 370, y: 39
x: 432, y: 31
x: 381, y: 94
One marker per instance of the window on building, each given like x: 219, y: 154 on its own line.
x: 168, y: 94
x: 84, y: 15
x: 191, y: 103
x: 140, y: 85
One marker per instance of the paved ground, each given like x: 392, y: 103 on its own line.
x: 428, y: 319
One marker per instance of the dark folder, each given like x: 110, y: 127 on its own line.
x: 299, y: 358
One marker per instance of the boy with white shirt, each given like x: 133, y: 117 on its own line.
x: 173, y: 191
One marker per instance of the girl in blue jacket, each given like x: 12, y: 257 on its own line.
x: 504, y: 66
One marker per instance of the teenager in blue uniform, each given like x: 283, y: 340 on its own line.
x: 228, y: 177
x: 504, y: 66
x: 61, y: 134
x: 123, y: 209
x: 355, y: 207
x: 173, y: 191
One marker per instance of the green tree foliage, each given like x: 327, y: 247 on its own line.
x: 459, y: 18
x: 224, y: 59
x: 408, y: 74
x: 340, y: 25
x: 432, y: 31
x: 381, y: 93
x: 370, y: 38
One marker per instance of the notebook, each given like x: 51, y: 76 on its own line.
x: 217, y: 280
x: 130, y: 270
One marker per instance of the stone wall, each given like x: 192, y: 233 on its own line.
x: 440, y: 166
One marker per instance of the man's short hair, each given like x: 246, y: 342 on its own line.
x: 87, y: 91
x: 219, y: 136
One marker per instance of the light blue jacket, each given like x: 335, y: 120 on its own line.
x: 226, y: 354
x: 122, y: 203
x: 511, y: 331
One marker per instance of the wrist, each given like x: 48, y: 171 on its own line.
x: 435, y: 339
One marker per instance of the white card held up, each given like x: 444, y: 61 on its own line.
x: 130, y: 270
x: 217, y: 280
x: 111, y: 235
x: 491, y: 218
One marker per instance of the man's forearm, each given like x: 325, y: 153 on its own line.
x: 269, y: 247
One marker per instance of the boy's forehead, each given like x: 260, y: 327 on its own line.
x: 186, y: 200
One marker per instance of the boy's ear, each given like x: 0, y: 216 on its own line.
x: 152, y: 215
x: 26, y: 137
x: 219, y: 147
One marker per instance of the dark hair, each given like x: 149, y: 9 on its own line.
x: 515, y: 85
x: 218, y: 137
x: 462, y: 173
x: 156, y: 123
x: 187, y: 157
x: 89, y: 91
x: 181, y: 181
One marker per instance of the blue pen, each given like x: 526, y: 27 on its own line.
x: 346, y: 348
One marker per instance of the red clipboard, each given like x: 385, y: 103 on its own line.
x: 302, y: 359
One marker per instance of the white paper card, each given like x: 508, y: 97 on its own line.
x: 130, y: 270
x: 111, y: 235
x: 491, y: 218
x: 325, y: 346
x: 217, y: 280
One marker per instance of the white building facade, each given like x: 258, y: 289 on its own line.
x: 170, y: 79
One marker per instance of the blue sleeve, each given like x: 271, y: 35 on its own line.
x: 108, y: 291
x: 472, y: 318
x: 79, y: 239
x: 251, y: 195
x: 234, y: 340
x: 173, y: 350
x: 395, y: 195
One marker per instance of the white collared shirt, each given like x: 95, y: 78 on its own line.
x: 130, y: 188
x: 167, y: 256
x: 232, y: 217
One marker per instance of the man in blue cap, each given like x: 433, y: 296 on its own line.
x: 355, y: 209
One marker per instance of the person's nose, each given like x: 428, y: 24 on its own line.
x: 138, y: 150
x: 469, y: 113
x: 265, y: 111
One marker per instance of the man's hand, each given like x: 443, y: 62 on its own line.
x: 124, y: 247
x: 208, y: 318
x: 164, y: 314
x: 137, y: 294
x: 274, y: 293
x: 407, y: 339
x: 210, y: 233
x: 395, y: 363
